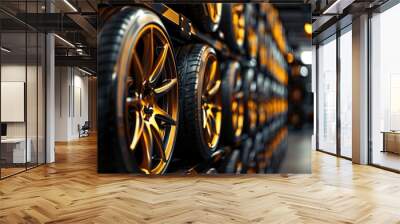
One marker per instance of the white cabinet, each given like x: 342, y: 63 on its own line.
x: 17, y: 146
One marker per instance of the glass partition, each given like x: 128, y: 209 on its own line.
x: 346, y: 93
x: 385, y: 89
x: 22, y: 88
x: 327, y: 96
x: 14, y: 145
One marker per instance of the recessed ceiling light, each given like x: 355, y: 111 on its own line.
x: 308, y: 28
x: 306, y: 57
x: 304, y: 71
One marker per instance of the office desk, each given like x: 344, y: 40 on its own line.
x: 391, y: 141
x: 15, y: 148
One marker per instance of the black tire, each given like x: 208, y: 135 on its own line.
x: 232, y: 90
x: 245, y: 154
x: 114, y: 154
x: 233, y: 165
x: 250, y: 99
x: 262, y: 56
x: 191, y: 69
x: 258, y: 143
x: 229, y: 28
x: 261, y: 100
x: 251, y: 40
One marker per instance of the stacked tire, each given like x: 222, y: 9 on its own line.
x: 164, y: 99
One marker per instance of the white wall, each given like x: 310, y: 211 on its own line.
x: 71, y: 102
x: 62, y: 81
x: 16, y: 72
x: 33, y: 126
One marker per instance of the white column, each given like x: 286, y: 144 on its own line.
x: 50, y: 94
x: 314, y: 91
x: 360, y: 90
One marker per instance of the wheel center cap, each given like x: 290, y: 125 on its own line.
x: 148, y: 110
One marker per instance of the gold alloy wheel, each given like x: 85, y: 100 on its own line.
x: 211, y: 102
x: 253, y: 42
x: 237, y: 106
x: 252, y: 108
x: 214, y: 11
x: 151, y: 105
x: 251, y: 30
x: 238, y: 18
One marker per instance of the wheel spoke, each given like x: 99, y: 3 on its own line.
x: 147, y: 143
x: 214, y: 89
x: 156, y: 71
x: 238, y: 85
x: 162, y: 115
x: 137, y: 133
x: 215, y: 108
x: 149, y: 51
x: 159, y: 142
x: 234, y: 106
x: 211, y: 120
x: 138, y: 67
x: 209, y: 131
x: 212, y: 74
x: 165, y: 87
x: 204, y: 118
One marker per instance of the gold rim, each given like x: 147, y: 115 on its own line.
x: 237, y: 106
x: 238, y: 19
x: 211, y: 102
x: 214, y: 11
x: 151, y: 100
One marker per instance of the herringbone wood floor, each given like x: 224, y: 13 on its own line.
x: 70, y: 191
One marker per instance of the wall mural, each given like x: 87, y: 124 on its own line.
x: 195, y: 88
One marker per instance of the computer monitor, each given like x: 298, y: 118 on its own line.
x: 3, y: 129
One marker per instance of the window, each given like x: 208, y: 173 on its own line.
x: 346, y: 93
x: 385, y: 89
x: 327, y: 96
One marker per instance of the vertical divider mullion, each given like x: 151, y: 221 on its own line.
x: 37, y: 89
x: 26, y: 86
x: 0, y: 94
x: 317, y: 96
x: 369, y: 100
x: 46, y: 3
x: 338, y: 98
